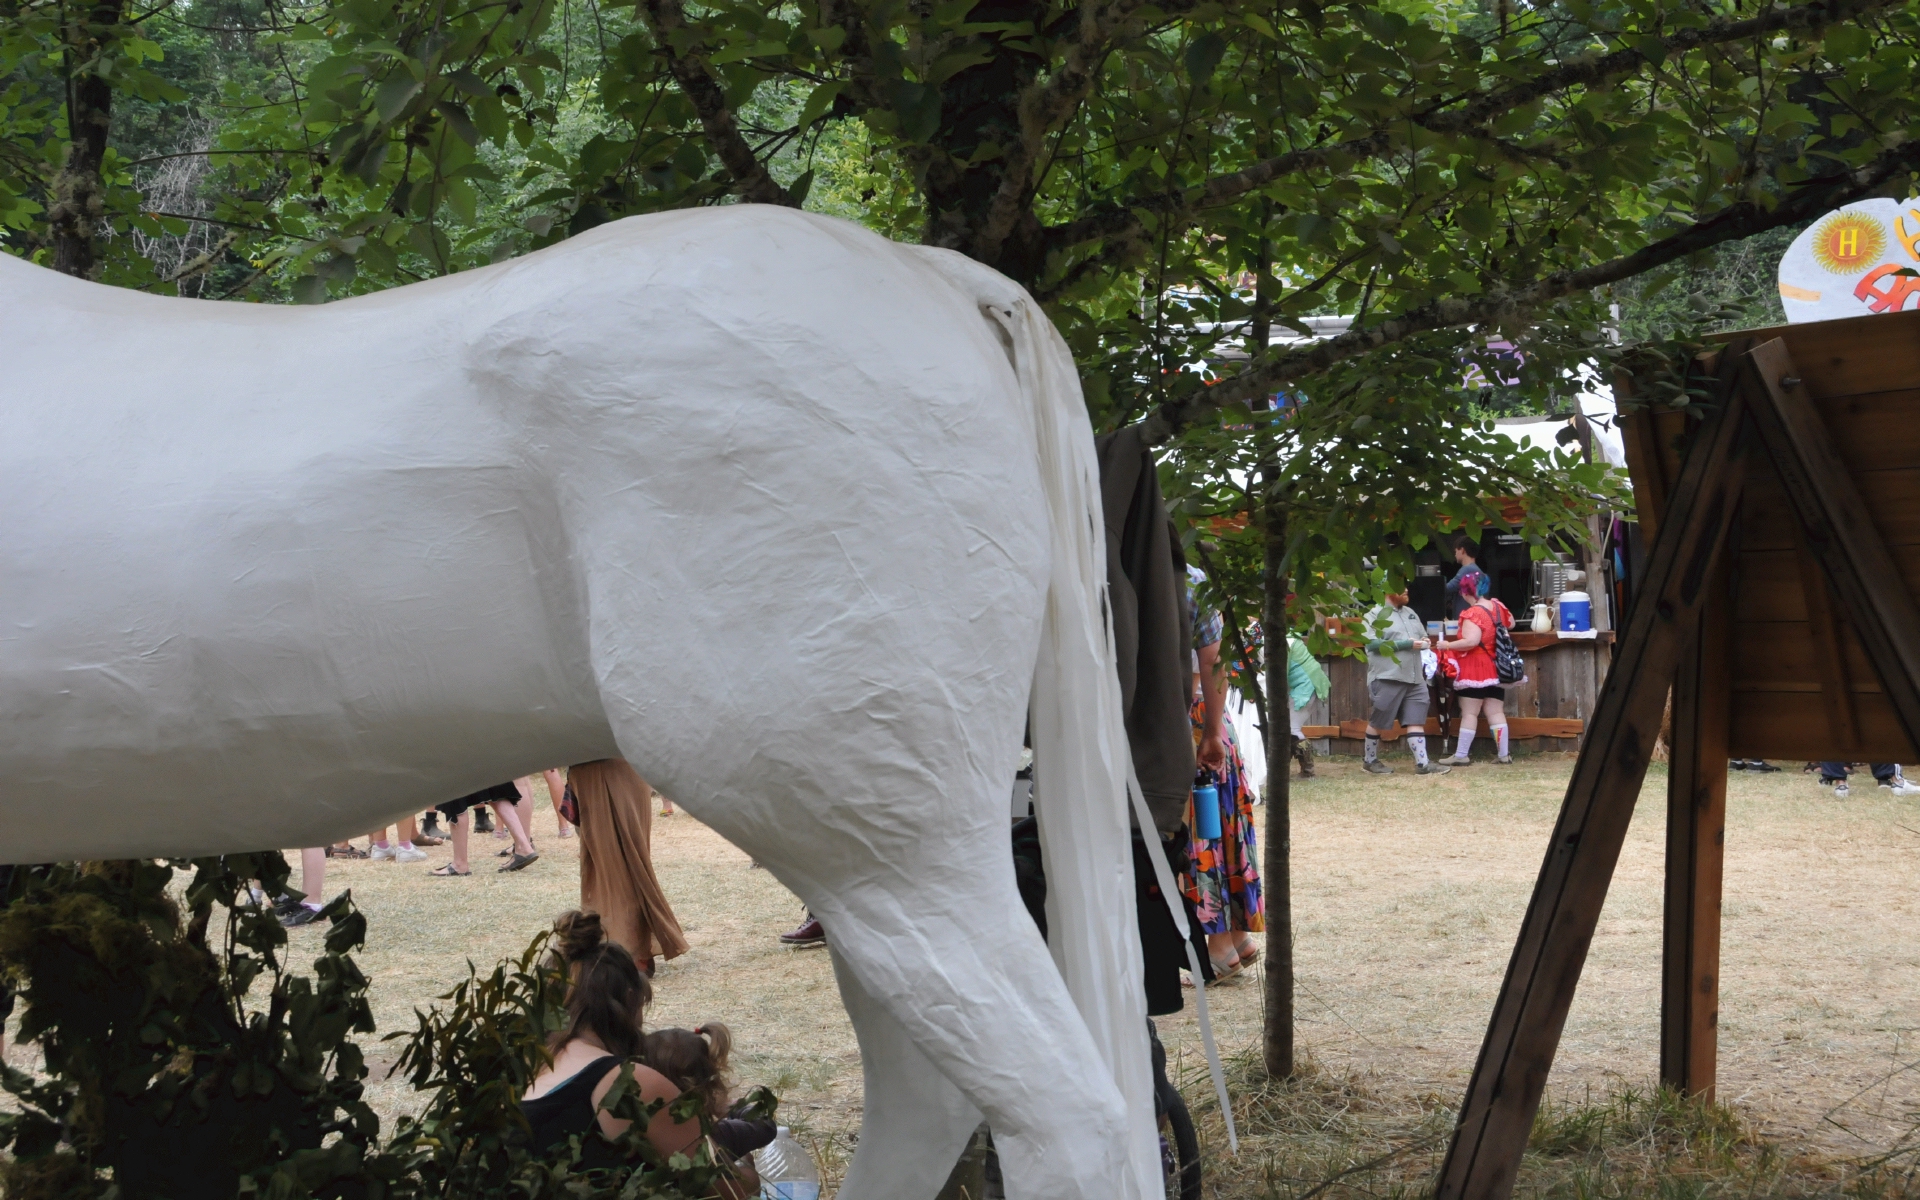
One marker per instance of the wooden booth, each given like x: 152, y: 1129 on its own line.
x: 1777, y: 606
x: 1548, y: 712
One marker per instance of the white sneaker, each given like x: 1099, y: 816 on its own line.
x: 381, y: 854
x: 1458, y: 760
x: 1840, y: 788
x: 409, y: 854
x: 1901, y: 787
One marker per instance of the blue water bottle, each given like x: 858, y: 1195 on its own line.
x: 1206, y: 808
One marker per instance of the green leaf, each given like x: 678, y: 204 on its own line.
x: 394, y: 95
x: 918, y: 109
x: 470, y: 84
x: 818, y: 102
x: 458, y: 121
x: 1203, y: 57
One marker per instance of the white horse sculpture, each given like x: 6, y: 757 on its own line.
x: 795, y: 519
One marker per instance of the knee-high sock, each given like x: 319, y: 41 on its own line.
x: 1417, y: 742
x: 1463, y: 742
x: 1500, y: 738
x: 1372, y: 751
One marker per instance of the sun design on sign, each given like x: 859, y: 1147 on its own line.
x: 1846, y: 242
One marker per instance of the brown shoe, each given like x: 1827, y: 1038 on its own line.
x: 809, y: 933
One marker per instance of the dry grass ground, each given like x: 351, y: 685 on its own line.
x: 1407, y: 893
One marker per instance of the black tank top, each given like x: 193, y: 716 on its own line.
x: 568, y: 1110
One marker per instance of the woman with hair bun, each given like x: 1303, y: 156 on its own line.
x: 605, y: 1001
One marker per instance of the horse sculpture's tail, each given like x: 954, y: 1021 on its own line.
x: 1081, y: 756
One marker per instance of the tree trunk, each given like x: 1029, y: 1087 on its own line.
x: 79, y: 196
x: 1275, y: 870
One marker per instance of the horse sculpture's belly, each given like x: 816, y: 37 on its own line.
x: 281, y: 580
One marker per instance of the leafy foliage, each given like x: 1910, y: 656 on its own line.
x: 1474, y: 183
x: 183, y: 1057
x: 185, y: 1060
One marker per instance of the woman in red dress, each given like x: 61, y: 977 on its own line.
x: 1478, y: 683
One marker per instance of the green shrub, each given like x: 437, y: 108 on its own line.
x: 185, y: 1061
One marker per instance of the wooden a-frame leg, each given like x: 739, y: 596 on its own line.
x: 1696, y: 845
x: 1496, y: 1116
x: 1839, y: 530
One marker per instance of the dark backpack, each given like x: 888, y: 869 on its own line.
x: 1507, y: 663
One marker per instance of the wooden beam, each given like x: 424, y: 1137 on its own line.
x: 1696, y: 847
x: 1829, y: 650
x: 1517, y: 727
x: 1839, y: 529
x: 1496, y: 1116
x: 1642, y: 439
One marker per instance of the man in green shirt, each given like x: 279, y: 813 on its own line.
x: 1396, y: 683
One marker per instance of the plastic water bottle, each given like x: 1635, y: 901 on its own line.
x: 786, y: 1169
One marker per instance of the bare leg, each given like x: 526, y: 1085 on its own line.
x: 313, y: 877
x: 460, y: 827
x: 1224, y: 950
x: 556, y: 791
x: 523, y: 807
x: 509, y: 815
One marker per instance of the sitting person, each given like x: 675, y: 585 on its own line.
x: 604, y: 1007
x: 695, y: 1060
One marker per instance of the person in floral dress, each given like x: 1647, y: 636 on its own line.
x: 1223, y: 874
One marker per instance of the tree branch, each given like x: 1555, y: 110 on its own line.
x: 1044, y: 107
x: 1731, y: 224
x: 1590, y: 71
x: 689, y: 69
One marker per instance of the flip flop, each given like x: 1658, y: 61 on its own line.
x: 446, y: 871
x: 519, y: 861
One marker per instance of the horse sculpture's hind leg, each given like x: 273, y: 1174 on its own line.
x: 914, y: 1118
x: 958, y: 1005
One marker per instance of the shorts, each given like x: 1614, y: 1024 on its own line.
x: 1396, y: 699
x: 1485, y: 693
x: 499, y: 793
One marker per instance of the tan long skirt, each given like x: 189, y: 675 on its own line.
x: 616, y: 859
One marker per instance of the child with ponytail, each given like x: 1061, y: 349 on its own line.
x: 695, y: 1060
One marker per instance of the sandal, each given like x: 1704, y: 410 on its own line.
x: 347, y: 851
x: 1220, y: 974
x: 519, y: 861
x: 446, y: 871
x: 1249, y: 956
